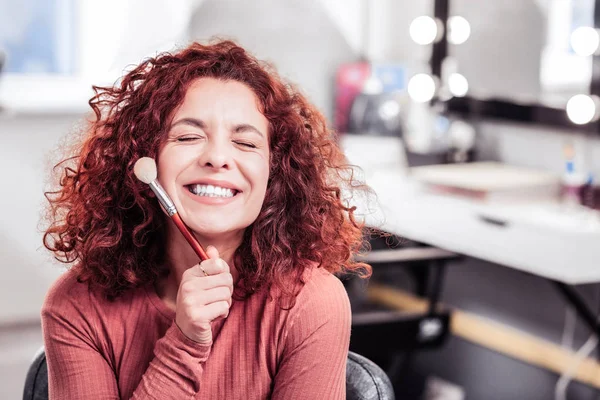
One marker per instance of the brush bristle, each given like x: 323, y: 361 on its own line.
x: 145, y: 169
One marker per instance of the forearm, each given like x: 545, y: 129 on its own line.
x: 176, y: 370
x: 76, y: 370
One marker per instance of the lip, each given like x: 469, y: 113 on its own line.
x: 214, y: 182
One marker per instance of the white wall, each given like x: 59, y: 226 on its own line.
x: 26, y: 267
x: 297, y: 36
x: 538, y: 147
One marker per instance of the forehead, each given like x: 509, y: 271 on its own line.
x: 228, y: 98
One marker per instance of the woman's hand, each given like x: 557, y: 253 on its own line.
x: 202, y: 298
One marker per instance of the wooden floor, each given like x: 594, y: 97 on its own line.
x: 18, y: 344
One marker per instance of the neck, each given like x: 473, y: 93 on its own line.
x: 181, y: 257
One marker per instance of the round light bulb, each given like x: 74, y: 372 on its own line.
x: 462, y: 135
x: 582, y: 109
x: 459, y: 29
x: 372, y: 85
x: 423, y: 30
x: 458, y: 84
x: 421, y: 88
x: 585, y: 41
x: 389, y: 109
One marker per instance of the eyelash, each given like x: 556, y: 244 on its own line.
x: 187, y: 138
x: 190, y: 138
x: 249, y: 145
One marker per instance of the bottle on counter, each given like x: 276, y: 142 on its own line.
x: 573, y: 182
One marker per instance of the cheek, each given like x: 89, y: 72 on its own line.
x: 171, y: 160
x: 263, y: 176
x: 168, y: 165
x: 259, y: 171
x: 163, y: 165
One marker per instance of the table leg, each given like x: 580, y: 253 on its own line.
x: 437, y: 271
x: 582, y: 309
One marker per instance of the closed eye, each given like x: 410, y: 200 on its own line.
x: 187, y: 138
x: 246, y: 144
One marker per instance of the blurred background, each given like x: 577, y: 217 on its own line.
x: 476, y: 124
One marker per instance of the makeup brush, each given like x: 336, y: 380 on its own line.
x: 145, y: 170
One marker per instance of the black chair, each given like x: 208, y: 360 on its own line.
x: 364, y: 379
x: 36, y: 381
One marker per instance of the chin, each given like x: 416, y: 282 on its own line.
x: 215, y: 231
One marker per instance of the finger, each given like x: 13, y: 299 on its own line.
x: 207, y: 268
x: 214, y: 266
x: 221, y: 293
x: 215, y: 310
x: 212, y: 252
x: 206, y: 282
x: 219, y: 280
x: 198, y: 270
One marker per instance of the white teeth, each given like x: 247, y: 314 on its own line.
x: 211, y: 191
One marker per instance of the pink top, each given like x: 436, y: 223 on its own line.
x: 131, y: 348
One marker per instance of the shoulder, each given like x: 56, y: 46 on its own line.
x: 322, y: 287
x: 72, y: 307
x: 67, y: 291
x: 70, y: 298
x: 69, y: 313
x: 322, y: 299
x: 321, y: 314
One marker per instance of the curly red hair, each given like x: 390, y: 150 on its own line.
x: 105, y: 221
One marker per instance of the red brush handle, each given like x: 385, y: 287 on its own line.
x: 189, y: 237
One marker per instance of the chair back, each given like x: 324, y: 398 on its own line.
x: 365, y: 380
x: 36, y: 381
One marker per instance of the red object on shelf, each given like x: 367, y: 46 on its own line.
x: 349, y: 81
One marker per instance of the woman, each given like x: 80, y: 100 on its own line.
x: 256, y: 175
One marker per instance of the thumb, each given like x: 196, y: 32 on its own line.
x: 212, y: 252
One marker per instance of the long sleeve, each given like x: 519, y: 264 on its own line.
x: 80, y: 366
x: 176, y: 369
x: 313, y: 363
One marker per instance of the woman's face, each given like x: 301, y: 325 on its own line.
x: 215, y: 161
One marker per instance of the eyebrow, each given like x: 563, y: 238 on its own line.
x: 197, y: 123
x: 247, y: 128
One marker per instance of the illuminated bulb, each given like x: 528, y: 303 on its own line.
x: 389, y: 109
x: 372, y: 85
x: 581, y: 109
x: 458, y: 85
x: 459, y: 30
x: 421, y: 88
x: 462, y: 135
x: 585, y: 41
x: 424, y: 30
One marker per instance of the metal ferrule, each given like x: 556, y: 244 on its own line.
x: 163, y: 197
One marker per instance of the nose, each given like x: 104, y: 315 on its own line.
x: 216, y: 154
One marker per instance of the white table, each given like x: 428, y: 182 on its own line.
x: 543, y: 239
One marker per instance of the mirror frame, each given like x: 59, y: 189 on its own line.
x: 503, y: 109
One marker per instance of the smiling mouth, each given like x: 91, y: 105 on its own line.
x: 212, y: 191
